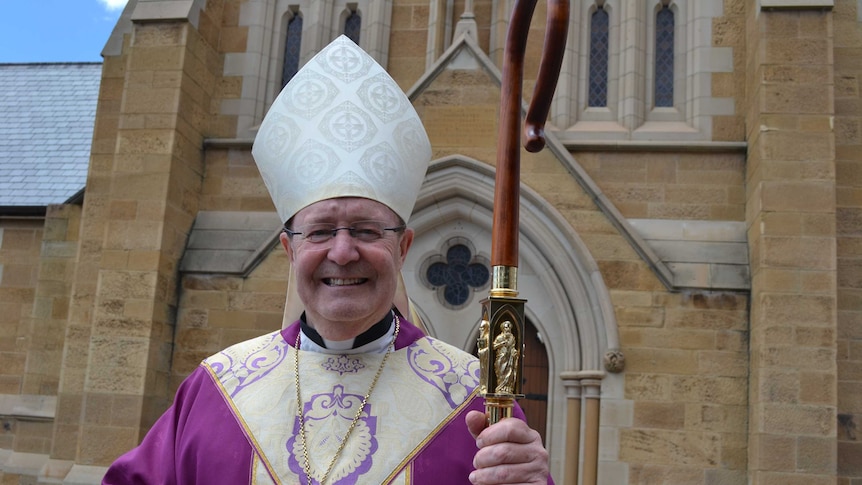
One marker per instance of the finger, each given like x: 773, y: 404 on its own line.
x: 508, y: 430
x: 476, y: 422
x: 511, y: 454
x: 525, y: 473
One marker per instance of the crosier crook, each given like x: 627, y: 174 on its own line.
x: 502, y: 311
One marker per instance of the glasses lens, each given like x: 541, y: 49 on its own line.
x: 367, y: 231
x: 317, y: 233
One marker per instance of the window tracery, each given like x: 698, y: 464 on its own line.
x: 458, y: 275
x: 599, y: 47
x: 353, y: 25
x: 292, y: 48
x: 640, y: 70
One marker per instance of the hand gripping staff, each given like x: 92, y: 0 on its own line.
x: 501, y: 330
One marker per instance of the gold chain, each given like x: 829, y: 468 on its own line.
x: 299, y: 413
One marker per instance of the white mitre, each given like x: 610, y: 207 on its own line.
x: 342, y: 128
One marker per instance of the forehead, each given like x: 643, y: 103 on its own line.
x: 344, y: 209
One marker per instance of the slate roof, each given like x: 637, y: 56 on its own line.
x: 47, y: 113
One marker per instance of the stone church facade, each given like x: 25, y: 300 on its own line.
x: 691, y: 237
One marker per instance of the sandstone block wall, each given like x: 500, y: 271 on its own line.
x: 719, y: 388
x: 668, y: 185
x: 790, y: 186
x: 19, y: 258
x: 848, y: 180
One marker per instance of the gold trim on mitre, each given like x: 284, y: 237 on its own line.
x: 342, y: 127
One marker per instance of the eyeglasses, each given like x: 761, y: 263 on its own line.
x: 364, y: 231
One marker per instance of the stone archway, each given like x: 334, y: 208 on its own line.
x: 567, y: 300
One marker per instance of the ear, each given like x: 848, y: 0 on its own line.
x: 405, y: 243
x: 285, y: 243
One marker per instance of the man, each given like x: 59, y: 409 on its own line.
x: 352, y: 392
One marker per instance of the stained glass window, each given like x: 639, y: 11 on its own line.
x: 292, y: 44
x: 664, y: 24
x: 352, y: 26
x: 599, y: 47
x: 458, y: 274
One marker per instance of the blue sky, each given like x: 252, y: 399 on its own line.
x: 56, y: 30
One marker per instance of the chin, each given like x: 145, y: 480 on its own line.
x: 349, y: 315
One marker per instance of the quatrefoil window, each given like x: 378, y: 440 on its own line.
x: 458, y: 276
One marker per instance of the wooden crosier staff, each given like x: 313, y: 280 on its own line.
x: 501, y: 331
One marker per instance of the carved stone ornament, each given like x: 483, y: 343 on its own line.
x: 615, y: 361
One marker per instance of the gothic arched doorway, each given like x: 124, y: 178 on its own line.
x: 567, y: 302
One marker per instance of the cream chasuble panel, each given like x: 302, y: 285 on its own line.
x: 428, y: 379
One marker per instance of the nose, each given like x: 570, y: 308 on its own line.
x: 343, y: 249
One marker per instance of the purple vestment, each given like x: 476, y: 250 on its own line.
x: 203, y: 438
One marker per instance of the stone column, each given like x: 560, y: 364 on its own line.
x: 790, y: 193
x: 592, y: 407
x: 142, y: 195
x: 583, y: 403
x: 573, y: 428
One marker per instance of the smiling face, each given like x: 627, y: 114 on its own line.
x: 346, y: 285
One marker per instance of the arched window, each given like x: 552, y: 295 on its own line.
x: 660, y: 68
x: 353, y: 25
x: 292, y: 46
x: 599, y: 49
x: 664, y: 27
x: 284, y: 34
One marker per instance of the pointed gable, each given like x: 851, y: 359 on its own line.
x: 458, y: 100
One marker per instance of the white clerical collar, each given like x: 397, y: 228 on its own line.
x: 377, y: 346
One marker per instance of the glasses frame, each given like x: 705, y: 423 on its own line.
x: 351, y: 230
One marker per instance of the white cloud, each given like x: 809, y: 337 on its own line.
x: 113, y: 4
